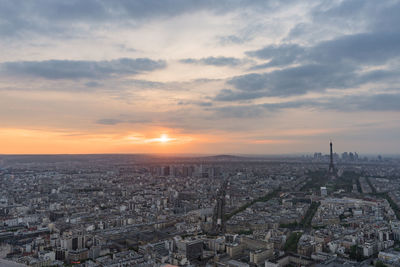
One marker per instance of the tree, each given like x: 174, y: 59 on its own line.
x: 380, y: 264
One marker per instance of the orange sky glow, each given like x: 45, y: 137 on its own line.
x: 248, y: 77
x: 22, y: 141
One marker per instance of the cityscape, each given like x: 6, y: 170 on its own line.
x: 199, y: 133
x: 149, y: 210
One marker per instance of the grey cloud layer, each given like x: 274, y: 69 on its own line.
x: 215, y: 61
x: 77, y: 69
x: 372, y: 14
x: 294, y: 67
x: 366, y: 48
x: 47, y: 16
x: 278, y: 55
x: 339, y: 63
x: 111, y: 121
x: 289, y: 81
x: 353, y: 103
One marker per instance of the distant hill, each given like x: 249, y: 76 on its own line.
x: 224, y: 158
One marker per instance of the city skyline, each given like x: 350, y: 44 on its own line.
x: 176, y: 77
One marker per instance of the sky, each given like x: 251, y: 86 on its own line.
x: 206, y: 77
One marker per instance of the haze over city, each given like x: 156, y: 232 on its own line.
x: 207, y: 77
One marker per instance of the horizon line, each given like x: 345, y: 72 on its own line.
x: 194, y: 154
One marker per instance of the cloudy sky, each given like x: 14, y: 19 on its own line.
x: 199, y: 76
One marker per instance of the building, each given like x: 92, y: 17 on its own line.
x: 331, y: 165
x: 219, y: 220
x: 191, y: 249
x: 324, y: 191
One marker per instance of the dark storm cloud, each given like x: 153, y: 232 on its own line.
x: 214, y: 61
x: 77, y: 69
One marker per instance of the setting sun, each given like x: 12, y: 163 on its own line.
x: 164, y: 138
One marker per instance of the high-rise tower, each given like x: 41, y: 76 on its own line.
x: 331, y: 166
x: 219, y: 220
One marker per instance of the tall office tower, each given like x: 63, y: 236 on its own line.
x: 331, y: 166
x: 219, y: 221
x: 166, y: 171
x: 185, y: 171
